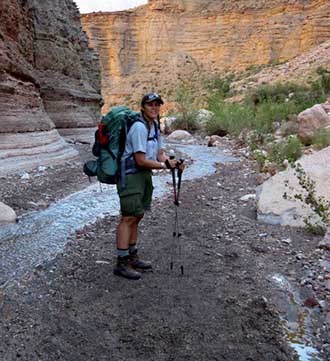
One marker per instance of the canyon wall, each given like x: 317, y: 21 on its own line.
x: 49, y: 80
x: 155, y: 45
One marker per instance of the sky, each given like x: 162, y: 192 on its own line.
x: 88, y: 6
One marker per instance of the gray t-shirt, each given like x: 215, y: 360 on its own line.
x: 137, y: 141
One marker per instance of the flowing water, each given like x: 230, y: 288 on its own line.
x: 296, y: 319
x: 40, y: 236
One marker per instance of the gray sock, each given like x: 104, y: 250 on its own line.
x: 122, y: 252
x: 132, y: 248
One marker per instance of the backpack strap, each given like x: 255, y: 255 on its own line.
x: 128, y: 165
x: 155, y: 137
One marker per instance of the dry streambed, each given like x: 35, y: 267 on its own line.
x: 72, y: 308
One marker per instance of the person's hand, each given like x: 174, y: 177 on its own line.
x: 181, y: 165
x: 171, y: 163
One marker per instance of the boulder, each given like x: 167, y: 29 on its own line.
x: 203, y: 116
x: 181, y: 135
x: 214, y: 141
x: 273, y: 208
x: 325, y: 243
x: 166, y: 124
x: 311, y: 120
x: 7, y: 214
x: 287, y: 128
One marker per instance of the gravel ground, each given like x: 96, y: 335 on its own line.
x: 248, y: 289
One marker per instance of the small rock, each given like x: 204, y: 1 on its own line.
x: 311, y: 302
x: 322, y: 304
x: 286, y: 241
x: 102, y: 262
x: 248, y: 197
x: 41, y: 168
x: 7, y: 214
x: 327, y: 285
x: 25, y: 175
x: 325, y: 243
x: 262, y: 235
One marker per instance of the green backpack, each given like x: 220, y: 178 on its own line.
x: 109, y: 145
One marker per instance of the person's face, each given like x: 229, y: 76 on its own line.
x: 151, y: 109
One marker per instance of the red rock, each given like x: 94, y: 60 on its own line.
x: 311, y: 302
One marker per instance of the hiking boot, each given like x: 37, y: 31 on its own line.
x: 136, y: 262
x: 125, y: 269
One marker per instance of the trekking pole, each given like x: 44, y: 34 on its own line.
x: 176, y: 233
x: 175, y: 219
x: 180, y: 171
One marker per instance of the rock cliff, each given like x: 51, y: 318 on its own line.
x: 155, y: 45
x: 49, y: 80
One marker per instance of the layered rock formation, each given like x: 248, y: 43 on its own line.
x: 157, y: 44
x: 49, y: 79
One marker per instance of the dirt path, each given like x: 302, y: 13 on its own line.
x: 225, y: 306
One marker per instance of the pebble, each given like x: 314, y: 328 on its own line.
x: 247, y: 197
x: 263, y: 235
x: 25, y: 175
x: 286, y: 241
x: 327, y: 285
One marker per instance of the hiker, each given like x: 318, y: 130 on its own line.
x: 143, y: 152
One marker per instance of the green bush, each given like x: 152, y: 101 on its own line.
x: 187, y: 101
x: 290, y: 149
x: 219, y: 86
x: 269, y: 112
x: 319, y: 205
x: 321, y: 138
x: 230, y: 117
x: 186, y: 122
x: 266, y: 105
x: 299, y: 97
x: 277, y: 93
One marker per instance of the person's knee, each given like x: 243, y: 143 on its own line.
x: 130, y: 221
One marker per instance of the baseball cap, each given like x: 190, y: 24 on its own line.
x: 150, y: 98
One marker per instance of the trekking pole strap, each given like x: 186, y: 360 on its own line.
x: 180, y: 171
x: 168, y: 165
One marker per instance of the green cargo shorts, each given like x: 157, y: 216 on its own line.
x: 136, y: 196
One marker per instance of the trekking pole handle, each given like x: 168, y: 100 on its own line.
x: 168, y: 165
x: 179, y: 162
x: 180, y: 171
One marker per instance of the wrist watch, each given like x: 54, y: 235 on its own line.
x: 163, y: 165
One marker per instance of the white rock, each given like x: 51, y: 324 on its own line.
x: 203, y: 116
x: 41, y: 168
x: 274, y: 209
x: 166, y: 124
x: 248, y: 197
x: 180, y: 135
x: 7, y: 214
x: 325, y: 243
x: 286, y: 241
x: 25, y: 175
